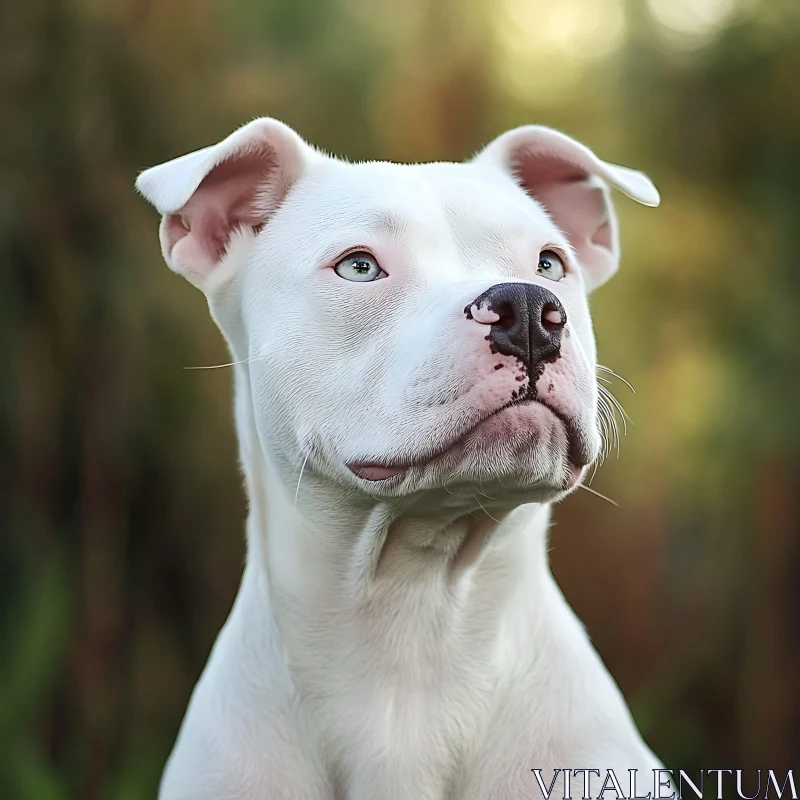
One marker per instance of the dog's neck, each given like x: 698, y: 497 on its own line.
x: 367, y: 596
x: 317, y: 538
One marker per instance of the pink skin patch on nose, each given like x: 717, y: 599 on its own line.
x: 552, y: 316
x: 486, y: 316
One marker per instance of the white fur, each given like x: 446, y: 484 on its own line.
x: 404, y: 638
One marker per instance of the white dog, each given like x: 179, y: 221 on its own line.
x: 415, y: 385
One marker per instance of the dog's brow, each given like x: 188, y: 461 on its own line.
x: 389, y: 223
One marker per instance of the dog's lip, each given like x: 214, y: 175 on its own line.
x: 377, y: 472
x: 578, y: 455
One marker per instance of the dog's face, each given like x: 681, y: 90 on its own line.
x: 407, y: 328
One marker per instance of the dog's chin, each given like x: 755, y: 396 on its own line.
x: 522, y: 452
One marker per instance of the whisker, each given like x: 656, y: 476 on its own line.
x: 619, y: 377
x: 617, y: 405
x: 608, y: 407
x: 597, y: 494
x: 297, y: 491
x: 610, y: 421
x: 500, y: 481
x: 610, y: 427
x: 622, y: 411
x: 222, y: 366
x: 601, y: 428
x: 594, y: 470
x: 485, y: 511
x: 603, y: 441
x: 480, y: 490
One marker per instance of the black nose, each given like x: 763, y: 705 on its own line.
x: 531, y: 322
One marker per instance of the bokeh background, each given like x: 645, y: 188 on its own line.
x: 121, y: 507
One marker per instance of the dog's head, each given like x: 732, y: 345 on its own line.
x: 405, y: 328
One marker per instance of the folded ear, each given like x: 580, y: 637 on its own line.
x: 571, y: 182
x: 207, y: 196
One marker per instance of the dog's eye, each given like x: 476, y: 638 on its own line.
x: 359, y: 267
x: 550, y: 265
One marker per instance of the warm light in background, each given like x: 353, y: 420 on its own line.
x: 695, y: 21
x: 543, y: 46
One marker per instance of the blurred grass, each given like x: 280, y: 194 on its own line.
x: 121, y: 508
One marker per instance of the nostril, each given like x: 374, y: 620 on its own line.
x: 505, y: 312
x: 552, y: 318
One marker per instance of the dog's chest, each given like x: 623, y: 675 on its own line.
x: 408, y: 735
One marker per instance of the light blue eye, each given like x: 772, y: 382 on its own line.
x: 359, y: 267
x: 550, y: 266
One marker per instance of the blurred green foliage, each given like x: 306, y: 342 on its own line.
x: 122, y: 512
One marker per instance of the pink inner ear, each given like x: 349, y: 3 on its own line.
x: 579, y: 209
x: 233, y: 195
x: 603, y: 237
x: 535, y: 170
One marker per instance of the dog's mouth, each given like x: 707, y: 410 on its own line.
x: 578, y: 451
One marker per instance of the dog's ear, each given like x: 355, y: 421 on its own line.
x: 207, y: 196
x: 571, y: 182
